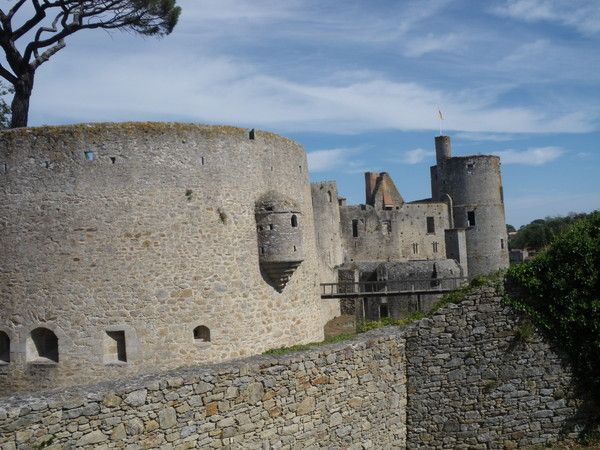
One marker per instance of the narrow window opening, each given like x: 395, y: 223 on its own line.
x: 202, y: 334
x: 251, y: 134
x: 294, y: 220
x: 4, y: 348
x: 90, y: 155
x: 430, y: 225
x: 115, y: 348
x: 202, y: 160
x: 260, y: 228
x: 502, y: 244
x: 188, y: 194
x: 262, y: 250
x: 329, y: 196
x: 435, y: 247
x: 300, y: 168
x: 471, y: 218
x: 415, y: 248
x: 42, y: 346
x: 383, y: 310
x: 270, y: 226
x: 354, y: 228
x: 113, y: 159
x: 295, y: 249
x: 271, y: 168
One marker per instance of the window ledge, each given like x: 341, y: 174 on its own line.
x: 42, y: 362
x: 115, y: 363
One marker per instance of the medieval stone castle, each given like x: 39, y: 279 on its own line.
x: 137, y: 248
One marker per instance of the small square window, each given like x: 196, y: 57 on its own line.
x: 115, y: 350
x: 90, y: 155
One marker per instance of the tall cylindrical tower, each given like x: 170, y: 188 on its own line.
x: 474, y: 183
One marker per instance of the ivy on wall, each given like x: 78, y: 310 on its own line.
x: 559, y: 290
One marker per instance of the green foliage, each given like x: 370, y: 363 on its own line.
x: 524, y: 332
x: 541, y: 232
x: 559, y: 290
x: 5, y: 112
x: 300, y: 347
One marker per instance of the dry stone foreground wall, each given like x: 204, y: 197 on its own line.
x: 457, y: 380
x: 479, y: 378
x: 342, y: 396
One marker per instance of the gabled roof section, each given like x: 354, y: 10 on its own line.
x: 386, y: 195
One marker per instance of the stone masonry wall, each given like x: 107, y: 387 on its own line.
x: 460, y: 379
x: 146, y: 230
x: 474, y: 383
x: 344, y: 395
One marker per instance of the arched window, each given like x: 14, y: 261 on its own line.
x: 4, y: 348
x: 42, y: 346
x: 294, y: 220
x: 202, y: 334
x: 329, y: 196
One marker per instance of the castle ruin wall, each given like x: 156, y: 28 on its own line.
x: 134, y: 246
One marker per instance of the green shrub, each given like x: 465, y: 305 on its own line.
x: 559, y: 290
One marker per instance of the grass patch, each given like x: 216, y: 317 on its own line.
x: 456, y: 296
x: 298, y: 348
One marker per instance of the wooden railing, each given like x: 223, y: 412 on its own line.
x: 386, y: 288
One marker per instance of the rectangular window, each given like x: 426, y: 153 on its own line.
x: 435, y: 247
x: 430, y: 225
x: 502, y: 244
x: 415, y: 249
x: 354, y: 228
x: 471, y: 218
x: 114, y: 347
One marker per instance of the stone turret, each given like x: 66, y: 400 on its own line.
x: 473, y: 185
x: 279, y: 230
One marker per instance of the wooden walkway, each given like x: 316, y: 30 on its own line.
x: 389, y: 288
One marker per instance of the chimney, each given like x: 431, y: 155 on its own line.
x: 370, y: 184
x: 443, y: 148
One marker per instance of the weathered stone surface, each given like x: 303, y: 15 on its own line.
x: 95, y: 437
x: 375, y: 392
x: 156, y: 236
x: 167, y: 418
x: 136, y: 398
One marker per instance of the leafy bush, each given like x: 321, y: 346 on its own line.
x: 560, y: 291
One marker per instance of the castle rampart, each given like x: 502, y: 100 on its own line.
x: 462, y: 378
x: 130, y: 248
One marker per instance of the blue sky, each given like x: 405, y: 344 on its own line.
x: 359, y: 83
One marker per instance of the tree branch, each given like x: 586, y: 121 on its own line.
x: 39, y: 60
x: 5, y: 73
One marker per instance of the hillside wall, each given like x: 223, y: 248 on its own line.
x: 460, y: 379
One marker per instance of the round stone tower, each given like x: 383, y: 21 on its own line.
x: 280, y: 246
x: 474, y: 185
x: 131, y: 248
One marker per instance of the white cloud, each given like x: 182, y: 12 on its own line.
x: 227, y: 90
x: 583, y: 15
x: 432, y: 43
x: 531, y: 157
x: 335, y: 159
x: 479, y: 137
x: 416, y: 156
